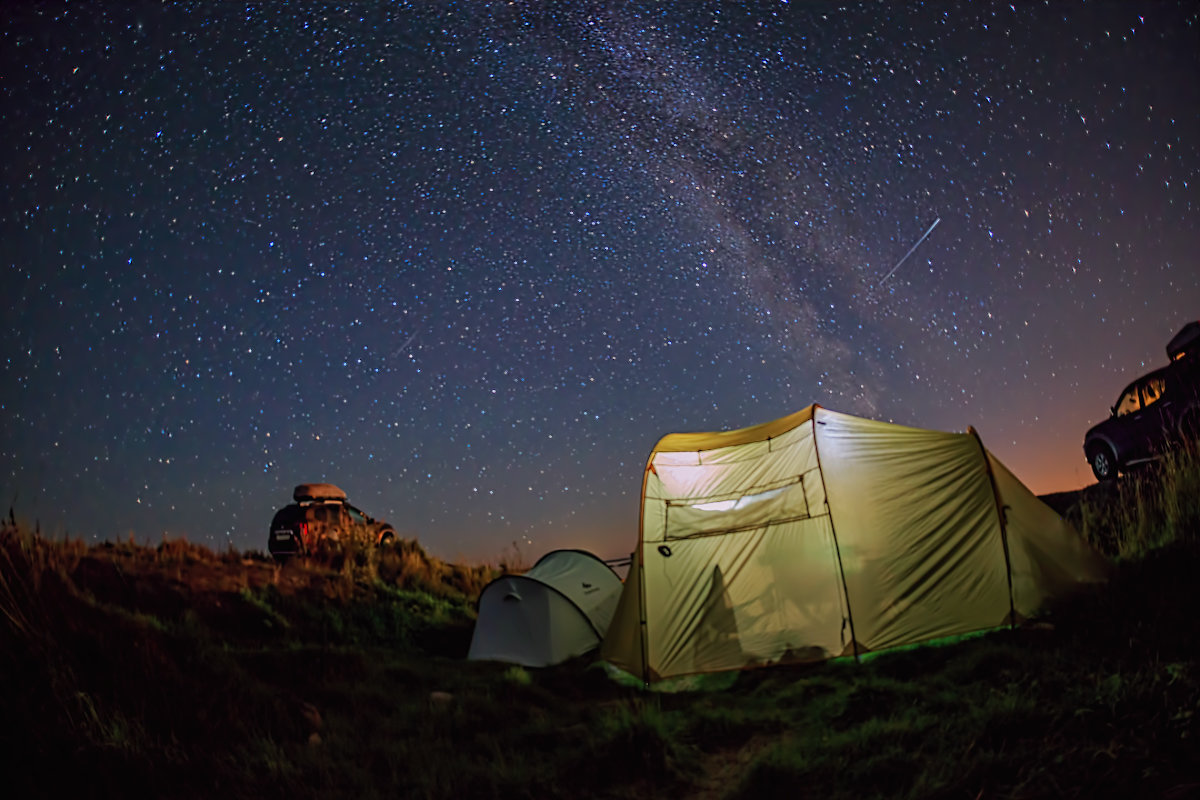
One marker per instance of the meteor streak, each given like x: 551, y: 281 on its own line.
x: 910, y: 252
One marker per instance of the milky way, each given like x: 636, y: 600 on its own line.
x: 470, y: 261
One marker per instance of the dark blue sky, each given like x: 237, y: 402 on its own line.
x: 469, y: 261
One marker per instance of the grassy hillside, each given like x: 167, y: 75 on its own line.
x: 174, y: 671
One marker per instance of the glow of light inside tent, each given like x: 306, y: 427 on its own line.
x: 741, y: 502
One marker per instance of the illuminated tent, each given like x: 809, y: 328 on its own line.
x: 822, y: 534
x: 557, y: 610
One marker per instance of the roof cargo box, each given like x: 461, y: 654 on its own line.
x: 1185, y: 343
x: 317, y: 491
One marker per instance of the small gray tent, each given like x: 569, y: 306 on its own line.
x: 559, y: 609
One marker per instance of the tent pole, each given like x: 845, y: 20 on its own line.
x: 640, y: 560
x: 1012, y: 613
x: 642, y: 614
x: 833, y: 532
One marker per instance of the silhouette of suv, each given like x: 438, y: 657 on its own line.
x: 1154, y: 411
x: 319, y: 514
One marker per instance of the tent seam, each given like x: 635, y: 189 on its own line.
x: 641, y: 576
x: 581, y: 552
x: 833, y: 532
x: 554, y: 589
x: 987, y: 467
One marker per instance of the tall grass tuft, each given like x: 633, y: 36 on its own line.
x: 513, y: 560
x: 172, y: 551
x: 1146, y: 509
x: 403, y: 565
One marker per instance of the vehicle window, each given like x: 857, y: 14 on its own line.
x: 1151, y: 391
x: 356, y: 515
x: 1128, y: 403
x: 327, y: 514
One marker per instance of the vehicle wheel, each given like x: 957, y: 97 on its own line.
x: 1104, y: 463
x: 387, y: 538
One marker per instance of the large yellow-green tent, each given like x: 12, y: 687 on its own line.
x: 823, y: 534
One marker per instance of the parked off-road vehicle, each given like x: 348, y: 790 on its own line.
x: 321, y: 514
x: 1154, y: 412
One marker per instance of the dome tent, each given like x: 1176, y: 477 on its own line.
x: 823, y: 534
x: 559, y: 609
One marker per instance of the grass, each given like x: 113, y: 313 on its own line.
x: 176, y: 671
x: 1147, y: 509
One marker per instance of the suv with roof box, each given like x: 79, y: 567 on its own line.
x: 322, y: 514
x: 1155, y: 411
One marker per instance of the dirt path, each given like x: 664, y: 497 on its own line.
x: 725, y: 768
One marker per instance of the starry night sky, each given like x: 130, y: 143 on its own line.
x: 469, y: 261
